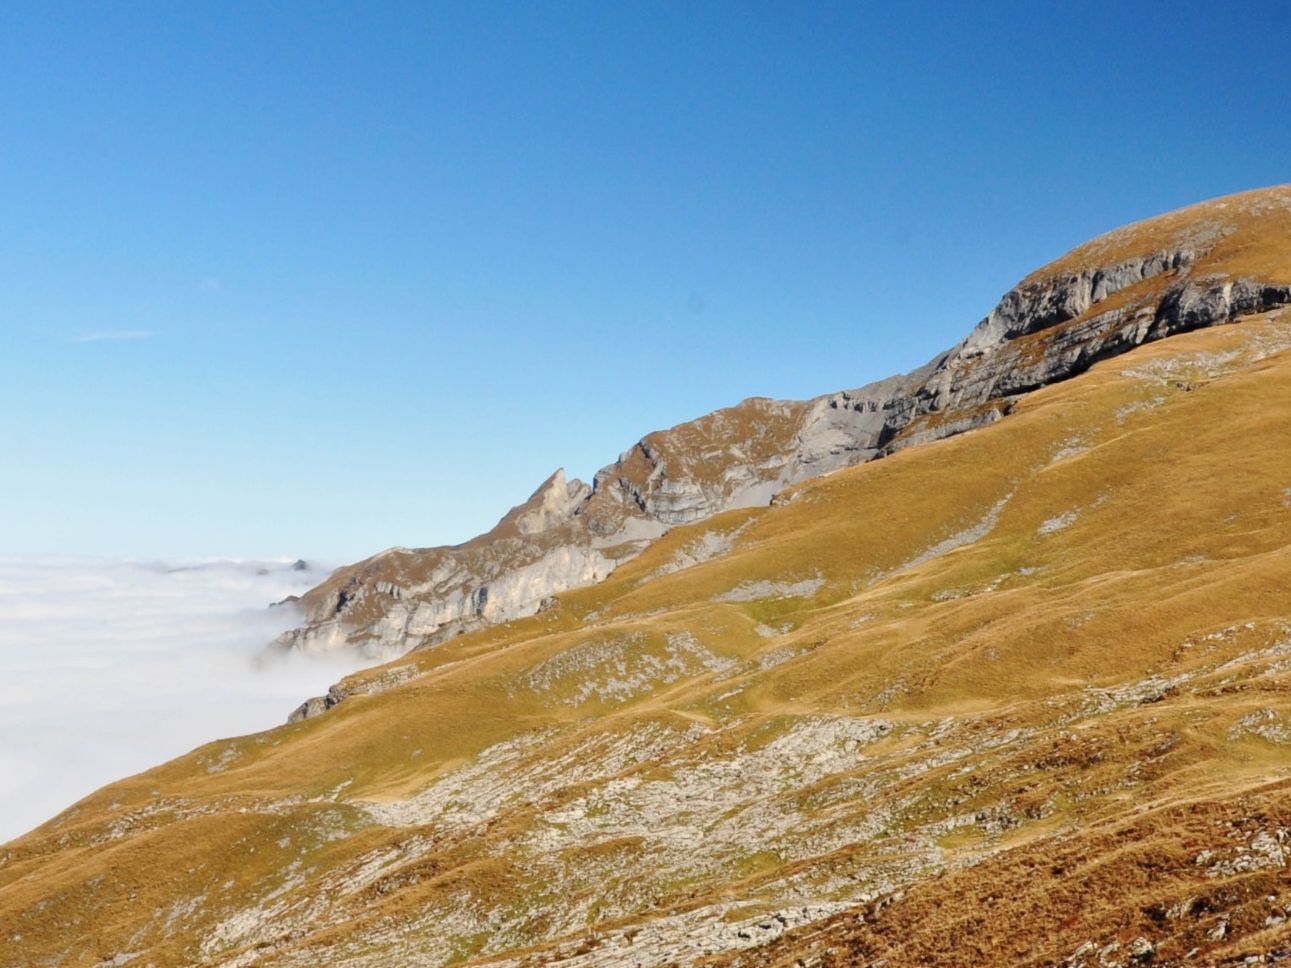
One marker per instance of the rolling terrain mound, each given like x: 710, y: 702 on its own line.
x: 1015, y: 696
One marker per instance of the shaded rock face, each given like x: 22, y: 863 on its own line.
x: 1138, y: 284
x: 1011, y: 352
x: 1038, y: 305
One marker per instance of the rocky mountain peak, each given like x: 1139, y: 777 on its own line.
x: 554, y: 503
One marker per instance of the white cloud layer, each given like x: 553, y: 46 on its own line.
x: 108, y: 667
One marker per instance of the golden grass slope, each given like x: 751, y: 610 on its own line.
x: 1026, y: 676
x: 1241, y: 235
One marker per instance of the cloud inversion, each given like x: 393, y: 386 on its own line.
x: 109, y: 667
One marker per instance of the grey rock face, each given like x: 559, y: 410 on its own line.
x: 401, y: 598
x: 1052, y: 326
x: 310, y: 707
x: 1038, y: 305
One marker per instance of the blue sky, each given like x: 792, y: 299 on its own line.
x: 318, y: 279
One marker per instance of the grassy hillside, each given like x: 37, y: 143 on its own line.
x: 1035, y: 679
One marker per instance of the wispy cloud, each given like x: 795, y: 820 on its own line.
x: 109, y: 335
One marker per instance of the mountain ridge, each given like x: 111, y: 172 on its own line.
x: 1136, y: 284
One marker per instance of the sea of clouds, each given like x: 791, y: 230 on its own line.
x: 108, y: 667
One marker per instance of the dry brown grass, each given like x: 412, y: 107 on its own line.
x: 1141, y: 533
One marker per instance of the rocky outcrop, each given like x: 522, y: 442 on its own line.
x: 1146, y: 282
x: 402, y: 598
x: 1011, y: 352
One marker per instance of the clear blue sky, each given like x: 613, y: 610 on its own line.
x: 386, y: 266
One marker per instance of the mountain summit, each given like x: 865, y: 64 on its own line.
x: 1020, y: 696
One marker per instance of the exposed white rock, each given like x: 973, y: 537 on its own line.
x: 616, y: 668
x: 753, y: 591
x: 709, y: 545
x: 1059, y: 522
x: 960, y: 539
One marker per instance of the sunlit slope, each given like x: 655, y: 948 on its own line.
x: 983, y: 651
x: 1243, y: 235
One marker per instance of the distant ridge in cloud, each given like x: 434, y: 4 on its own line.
x: 114, y: 335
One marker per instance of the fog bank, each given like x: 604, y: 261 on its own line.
x: 108, y: 667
